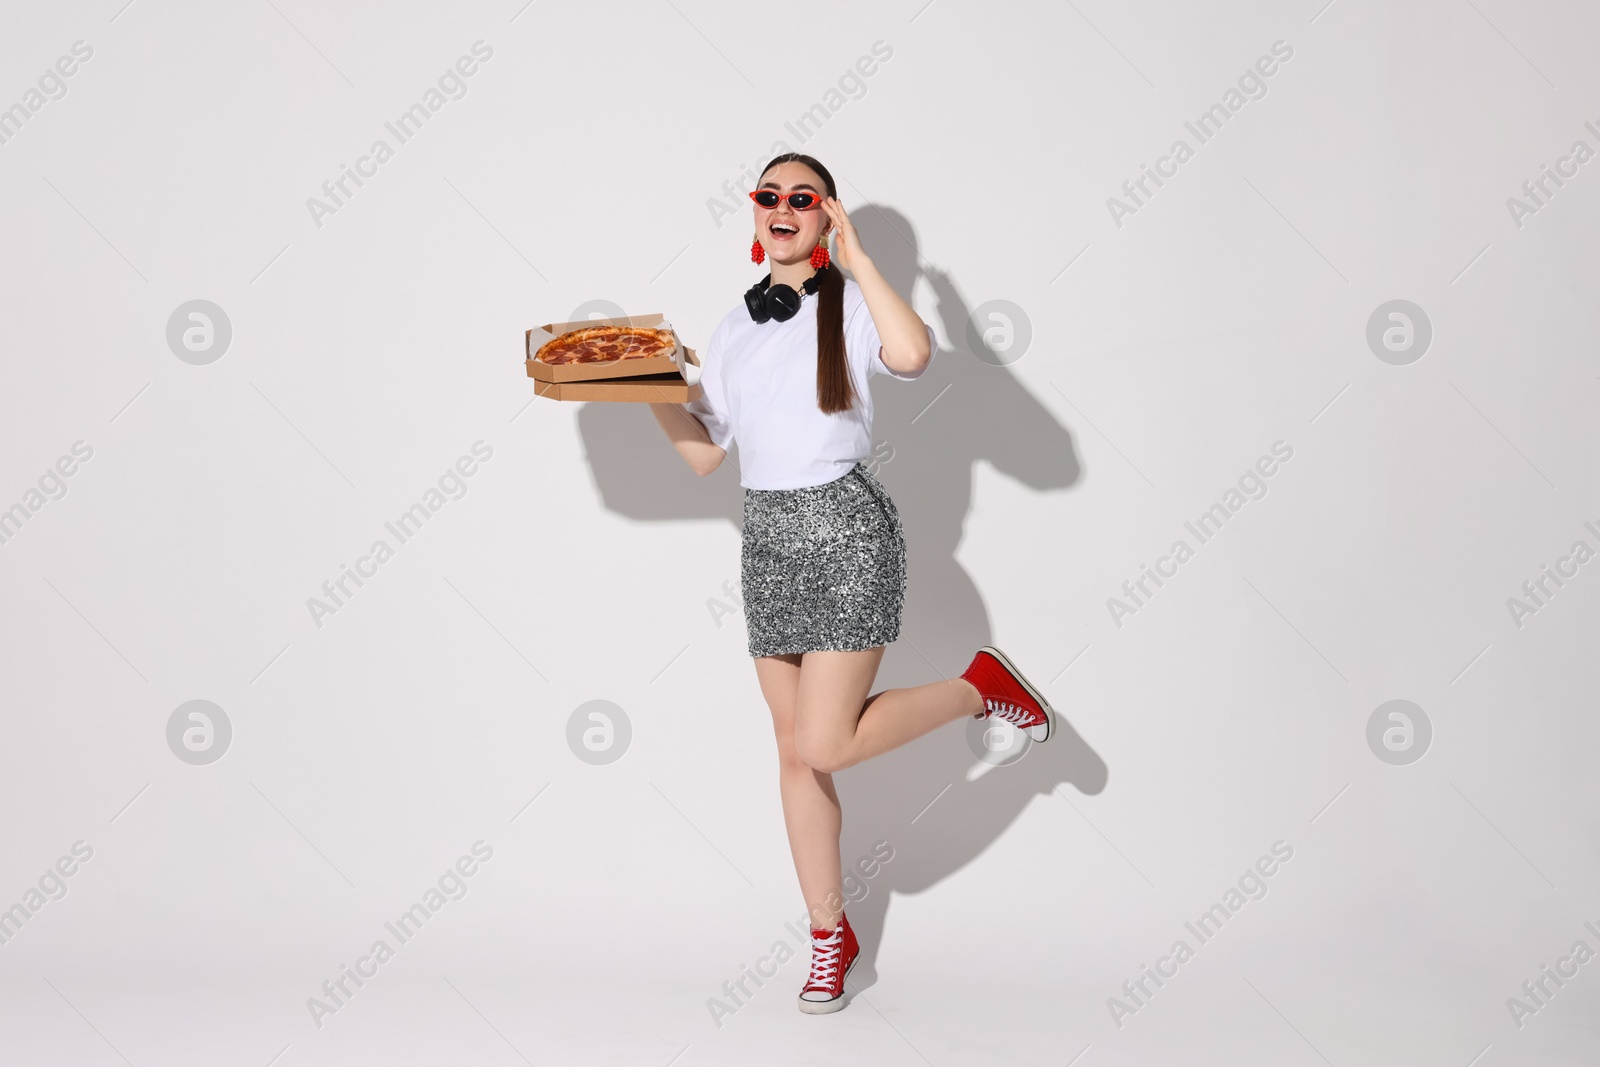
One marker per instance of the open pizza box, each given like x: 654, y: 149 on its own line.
x: 671, y: 387
x: 536, y: 338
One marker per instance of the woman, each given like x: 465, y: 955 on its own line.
x: 823, y: 557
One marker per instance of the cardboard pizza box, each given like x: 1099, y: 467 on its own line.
x: 537, y: 337
x: 667, y: 388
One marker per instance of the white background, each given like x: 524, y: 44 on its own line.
x: 586, y: 562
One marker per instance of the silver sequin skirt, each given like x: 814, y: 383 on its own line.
x: 822, y: 567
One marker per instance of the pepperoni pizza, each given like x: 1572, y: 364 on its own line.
x: 606, y: 344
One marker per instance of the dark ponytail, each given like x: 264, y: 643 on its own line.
x: 835, y: 390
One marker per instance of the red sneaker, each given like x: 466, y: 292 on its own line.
x: 1007, y: 694
x: 833, y: 954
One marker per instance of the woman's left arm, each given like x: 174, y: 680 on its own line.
x: 903, y: 333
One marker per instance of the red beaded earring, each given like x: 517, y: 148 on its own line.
x: 819, y: 254
x: 757, y: 253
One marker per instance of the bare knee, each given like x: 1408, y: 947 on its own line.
x: 792, y: 758
x: 789, y: 759
x: 821, y: 752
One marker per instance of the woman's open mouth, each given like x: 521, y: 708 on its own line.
x: 783, y: 231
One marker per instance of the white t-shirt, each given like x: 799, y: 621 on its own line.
x: 759, y: 386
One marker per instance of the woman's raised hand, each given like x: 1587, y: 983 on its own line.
x: 847, y: 250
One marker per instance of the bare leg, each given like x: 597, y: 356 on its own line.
x: 810, y: 804
x: 838, y: 725
x: 825, y: 721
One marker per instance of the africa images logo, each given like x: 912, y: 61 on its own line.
x: 1251, y: 885
x: 1252, y: 85
x: 452, y: 85
x: 851, y: 85
x: 1252, y: 485
x: 406, y: 526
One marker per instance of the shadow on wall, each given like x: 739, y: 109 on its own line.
x: 981, y: 412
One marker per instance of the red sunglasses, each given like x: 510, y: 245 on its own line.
x: 800, y: 201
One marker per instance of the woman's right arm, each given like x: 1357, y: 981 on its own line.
x: 688, y: 435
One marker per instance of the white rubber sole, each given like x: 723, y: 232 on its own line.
x: 823, y: 1007
x: 1049, y: 712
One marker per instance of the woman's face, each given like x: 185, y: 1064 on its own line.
x: 789, y: 235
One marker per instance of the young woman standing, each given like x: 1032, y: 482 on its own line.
x: 823, y: 557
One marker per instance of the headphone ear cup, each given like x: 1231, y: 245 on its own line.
x: 783, y: 302
x: 755, y: 301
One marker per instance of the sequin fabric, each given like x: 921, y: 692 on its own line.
x: 822, y: 567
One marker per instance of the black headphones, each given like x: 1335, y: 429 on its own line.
x: 780, y: 302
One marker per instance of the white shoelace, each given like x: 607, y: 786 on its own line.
x: 1014, y: 714
x: 825, y: 957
